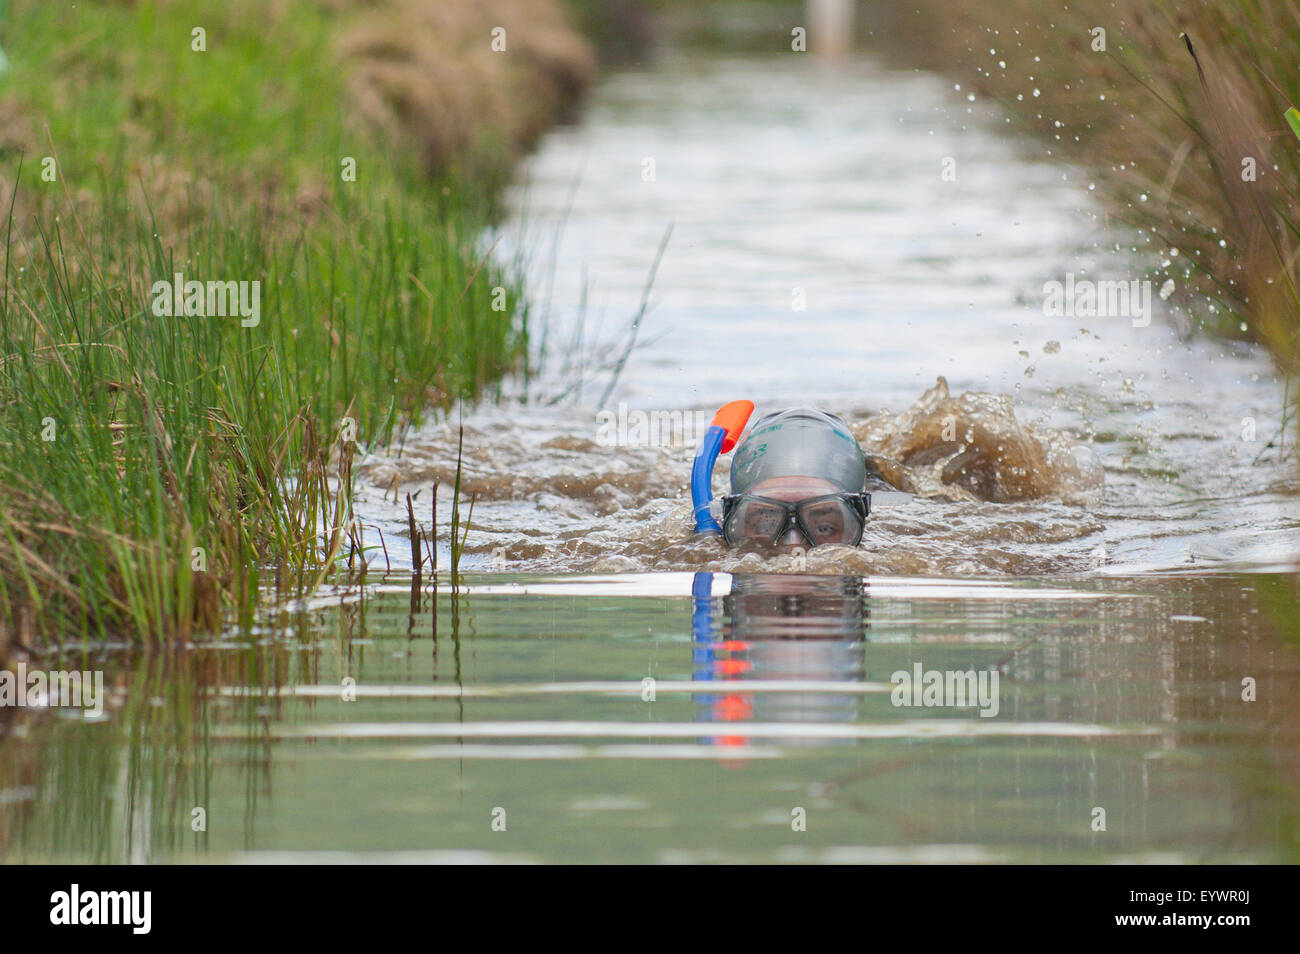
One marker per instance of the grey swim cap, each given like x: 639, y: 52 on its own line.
x: 799, y: 442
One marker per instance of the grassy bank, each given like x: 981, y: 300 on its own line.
x: 156, y: 466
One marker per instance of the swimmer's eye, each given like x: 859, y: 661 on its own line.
x: 826, y: 522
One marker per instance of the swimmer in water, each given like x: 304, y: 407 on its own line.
x: 798, y: 478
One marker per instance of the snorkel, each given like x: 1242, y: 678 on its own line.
x: 720, y: 438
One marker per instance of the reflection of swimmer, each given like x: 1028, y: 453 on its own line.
x: 798, y: 477
x: 776, y: 628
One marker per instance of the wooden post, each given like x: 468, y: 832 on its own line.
x: 830, y: 27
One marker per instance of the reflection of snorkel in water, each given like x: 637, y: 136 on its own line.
x: 774, y: 629
x: 798, y: 476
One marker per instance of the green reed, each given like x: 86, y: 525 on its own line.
x: 157, y: 471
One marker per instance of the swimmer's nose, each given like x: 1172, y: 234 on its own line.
x: 793, y: 538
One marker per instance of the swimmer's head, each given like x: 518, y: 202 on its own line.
x: 797, y: 477
x: 798, y: 453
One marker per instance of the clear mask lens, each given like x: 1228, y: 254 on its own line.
x: 755, y: 520
x: 830, y: 521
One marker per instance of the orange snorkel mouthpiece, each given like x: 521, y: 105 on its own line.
x: 732, y: 418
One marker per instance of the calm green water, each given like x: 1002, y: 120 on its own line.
x: 771, y: 694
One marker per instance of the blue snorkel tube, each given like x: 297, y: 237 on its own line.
x: 720, y: 438
x: 702, y: 479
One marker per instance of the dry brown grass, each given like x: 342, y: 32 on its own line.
x: 427, y: 70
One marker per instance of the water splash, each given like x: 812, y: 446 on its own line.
x: 972, y: 447
x: 979, y: 492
